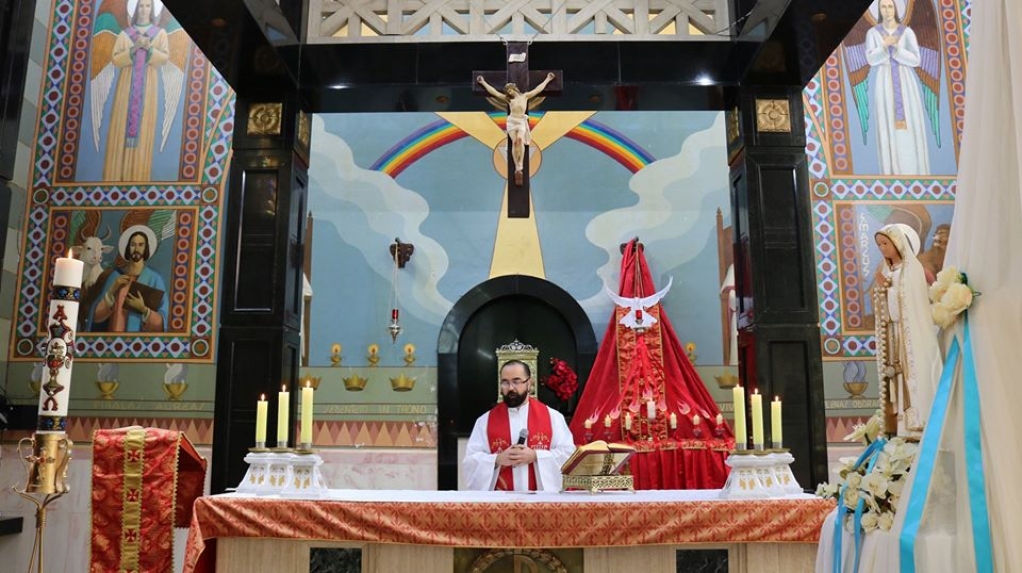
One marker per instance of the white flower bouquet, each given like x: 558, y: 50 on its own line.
x: 879, y: 487
x: 950, y: 294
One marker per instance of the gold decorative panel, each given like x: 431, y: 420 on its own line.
x: 772, y: 115
x: 304, y: 129
x: 731, y: 121
x: 264, y: 118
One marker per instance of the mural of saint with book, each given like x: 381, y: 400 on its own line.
x: 125, y: 287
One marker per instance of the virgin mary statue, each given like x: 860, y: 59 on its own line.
x: 908, y: 356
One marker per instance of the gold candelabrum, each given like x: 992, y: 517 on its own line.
x: 46, y: 465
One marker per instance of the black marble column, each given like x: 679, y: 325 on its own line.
x: 775, y: 281
x: 261, y: 269
x: 16, y: 19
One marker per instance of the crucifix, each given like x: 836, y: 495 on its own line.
x: 516, y: 103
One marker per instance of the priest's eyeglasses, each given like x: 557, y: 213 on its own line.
x: 516, y: 382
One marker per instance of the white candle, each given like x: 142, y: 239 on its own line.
x: 283, y: 405
x: 68, y: 272
x: 756, y: 401
x: 674, y: 421
x: 776, y: 428
x: 61, y: 322
x: 738, y: 397
x: 261, y: 406
x: 306, y: 433
x: 651, y: 410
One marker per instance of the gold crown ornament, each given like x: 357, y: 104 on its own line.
x: 402, y: 383
x: 355, y: 383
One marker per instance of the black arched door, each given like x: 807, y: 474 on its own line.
x: 502, y: 321
x: 497, y: 312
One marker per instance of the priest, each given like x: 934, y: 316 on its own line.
x: 520, y: 444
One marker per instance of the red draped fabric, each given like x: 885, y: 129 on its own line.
x: 636, y: 367
x: 144, y: 482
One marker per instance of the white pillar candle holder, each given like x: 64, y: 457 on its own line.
x: 783, y: 477
x: 258, y: 471
x: 306, y: 481
x: 750, y: 477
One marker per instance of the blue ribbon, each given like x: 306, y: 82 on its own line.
x: 870, y: 456
x: 925, y: 460
x: 974, y: 461
x: 973, y: 444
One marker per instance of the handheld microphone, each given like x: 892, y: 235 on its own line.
x: 522, y: 436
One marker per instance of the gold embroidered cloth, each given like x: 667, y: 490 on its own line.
x: 502, y: 524
x: 144, y: 481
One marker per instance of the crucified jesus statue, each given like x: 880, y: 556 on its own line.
x: 517, y: 118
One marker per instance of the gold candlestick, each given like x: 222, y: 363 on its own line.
x: 46, y: 481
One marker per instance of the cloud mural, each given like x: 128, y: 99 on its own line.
x: 373, y: 210
x: 672, y: 208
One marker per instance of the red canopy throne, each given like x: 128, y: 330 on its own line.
x: 642, y: 371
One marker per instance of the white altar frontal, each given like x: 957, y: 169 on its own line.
x: 448, y: 531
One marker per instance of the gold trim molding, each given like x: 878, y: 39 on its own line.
x: 772, y: 115
x: 264, y: 118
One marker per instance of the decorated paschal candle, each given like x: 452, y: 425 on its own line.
x: 61, y: 325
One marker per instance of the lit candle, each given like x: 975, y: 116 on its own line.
x: 606, y: 421
x: 756, y: 400
x: 283, y: 404
x: 589, y: 424
x: 738, y: 397
x: 306, y: 433
x: 651, y: 410
x: 62, y: 322
x: 628, y: 421
x: 776, y: 431
x: 261, y: 406
x: 674, y: 421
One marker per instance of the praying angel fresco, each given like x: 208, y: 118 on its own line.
x: 904, y: 63
x: 139, y: 53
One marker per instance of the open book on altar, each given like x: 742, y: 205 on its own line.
x: 597, y: 459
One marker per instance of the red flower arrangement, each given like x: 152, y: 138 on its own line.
x: 562, y: 379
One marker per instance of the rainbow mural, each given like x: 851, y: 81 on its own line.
x: 438, y: 134
x: 416, y: 146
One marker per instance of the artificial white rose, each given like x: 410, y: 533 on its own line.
x: 875, y: 484
x: 886, y: 521
x: 957, y: 298
x: 896, y: 487
x: 851, y: 498
x: 942, y: 317
x: 945, y: 277
x: 869, y: 522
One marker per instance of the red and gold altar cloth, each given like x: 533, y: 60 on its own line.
x: 144, y: 482
x: 503, y: 519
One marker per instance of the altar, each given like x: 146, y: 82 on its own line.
x: 420, y: 530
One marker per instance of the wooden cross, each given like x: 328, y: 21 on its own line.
x: 518, y: 73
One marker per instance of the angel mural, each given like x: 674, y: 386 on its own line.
x: 905, y: 64
x: 139, y: 52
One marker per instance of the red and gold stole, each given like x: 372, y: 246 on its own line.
x: 498, y: 433
x: 144, y: 481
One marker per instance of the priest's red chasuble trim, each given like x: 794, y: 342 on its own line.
x: 498, y: 433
